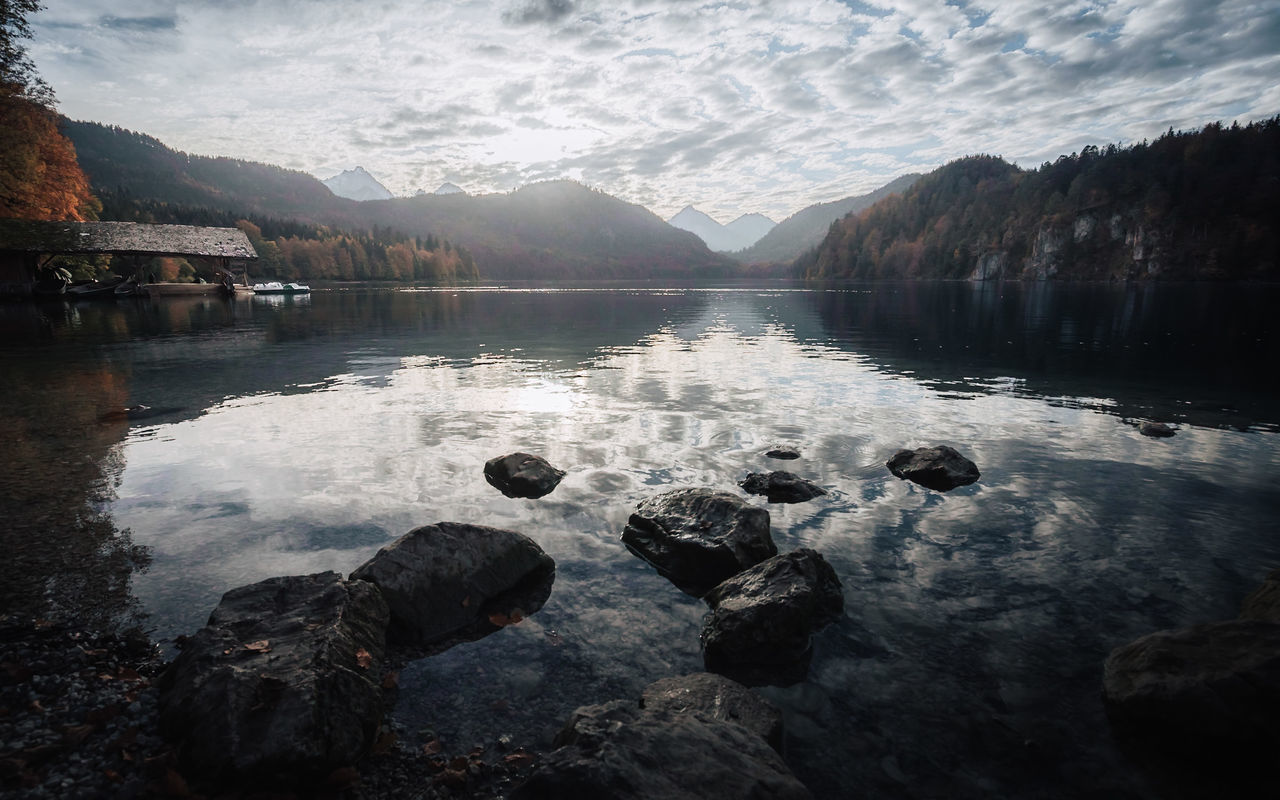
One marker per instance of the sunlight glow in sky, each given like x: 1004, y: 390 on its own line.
x: 733, y: 107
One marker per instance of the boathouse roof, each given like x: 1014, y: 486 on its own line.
x: 122, y: 238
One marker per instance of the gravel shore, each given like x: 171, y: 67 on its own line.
x: 78, y: 719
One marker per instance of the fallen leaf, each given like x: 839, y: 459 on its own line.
x: 391, y: 680
x: 260, y: 646
x: 432, y: 747
x: 75, y: 734
x: 364, y: 659
x: 499, y: 619
x: 128, y: 674
x: 175, y: 785
x: 520, y: 758
x: 466, y: 601
x: 458, y: 762
x: 113, y: 776
x: 386, y: 741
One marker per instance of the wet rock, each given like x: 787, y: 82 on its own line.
x: 781, y: 487
x: 453, y: 582
x: 940, y: 468
x: 784, y: 452
x: 281, y: 684
x: 1207, y: 693
x: 719, y: 698
x: 761, y: 620
x: 1263, y: 603
x: 1156, y: 429
x: 522, y: 475
x: 698, y: 537
x: 622, y: 752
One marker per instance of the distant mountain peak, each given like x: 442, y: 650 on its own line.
x: 357, y: 184
x: 449, y: 188
x: 741, y: 233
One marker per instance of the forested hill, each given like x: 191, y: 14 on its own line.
x: 805, y: 228
x: 1190, y: 205
x: 544, y: 231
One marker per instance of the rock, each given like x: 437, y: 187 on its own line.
x: 1264, y: 602
x: 522, y: 475
x: 453, y: 582
x: 781, y: 487
x: 784, y: 452
x: 1207, y: 693
x: 1156, y: 429
x: 282, y: 685
x: 698, y: 537
x: 621, y: 752
x: 759, y: 628
x: 719, y: 698
x: 940, y: 468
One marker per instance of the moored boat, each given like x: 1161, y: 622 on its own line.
x: 94, y: 289
x: 275, y: 287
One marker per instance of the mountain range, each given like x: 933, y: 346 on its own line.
x: 553, y: 230
x: 742, y: 232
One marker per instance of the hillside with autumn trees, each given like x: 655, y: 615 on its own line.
x: 1187, y: 206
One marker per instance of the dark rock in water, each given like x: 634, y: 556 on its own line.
x: 719, y: 698
x: 1156, y: 429
x: 522, y: 475
x: 940, y: 468
x: 282, y: 685
x: 781, y: 487
x: 134, y: 413
x: 1208, y: 694
x: 621, y: 752
x: 1263, y: 603
x: 759, y: 628
x: 698, y: 537
x: 783, y: 452
x: 453, y: 582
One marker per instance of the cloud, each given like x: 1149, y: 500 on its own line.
x: 732, y: 106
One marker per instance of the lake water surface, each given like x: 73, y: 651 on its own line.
x: 295, y: 435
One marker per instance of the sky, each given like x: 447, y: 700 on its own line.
x: 733, y: 107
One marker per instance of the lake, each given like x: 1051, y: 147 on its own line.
x: 295, y: 435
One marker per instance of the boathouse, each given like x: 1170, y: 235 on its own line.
x: 27, y: 245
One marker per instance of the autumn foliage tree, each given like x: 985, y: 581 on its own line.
x: 39, y: 175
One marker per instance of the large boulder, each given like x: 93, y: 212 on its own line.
x: 781, y: 487
x: 1156, y: 430
x: 453, y: 582
x: 622, y: 752
x: 1263, y: 603
x: 719, y: 698
x: 761, y: 620
x: 1208, y: 693
x: 283, y: 684
x: 698, y: 537
x: 940, y: 468
x: 522, y: 475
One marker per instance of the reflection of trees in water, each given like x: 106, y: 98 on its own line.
x: 1181, y: 352
x: 65, y: 560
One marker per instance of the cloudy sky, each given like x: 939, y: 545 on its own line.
x: 733, y: 107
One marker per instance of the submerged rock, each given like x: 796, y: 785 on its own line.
x: 454, y: 582
x: 781, y: 487
x: 1263, y: 603
x: 940, y: 468
x: 761, y: 620
x: 784, y: 452
x: 719, y: 698
x: 1156, y: 429
x: 282, y: 685
x: 622, y: 752
x: 1207, y: 693
x: 698, y: 537
x: 522, y: 475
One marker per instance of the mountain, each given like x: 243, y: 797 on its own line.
x: 356, y: 184
x: 552, y: 230
x: 805, y: 228
x: 748, y: 228
x: 722, y: 238
x: 1188, y: 206
x: 449, y: 188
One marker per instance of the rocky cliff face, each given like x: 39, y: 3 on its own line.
x: 1090, y: 246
